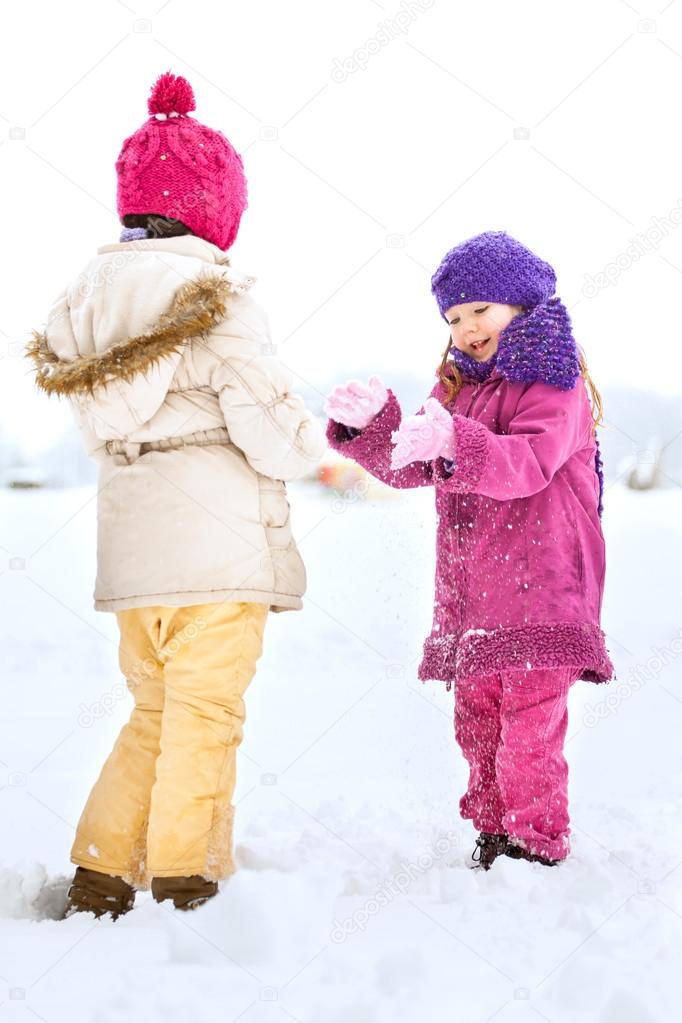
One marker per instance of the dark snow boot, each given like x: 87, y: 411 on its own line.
x: 489, y: 846
x: 186, y: 892
x: 516, y: 852
x: 94, y: 892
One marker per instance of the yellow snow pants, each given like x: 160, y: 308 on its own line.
x: 162, y: 805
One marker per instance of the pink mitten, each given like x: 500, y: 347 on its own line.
x: 425, y: 436
x: 356, y: 404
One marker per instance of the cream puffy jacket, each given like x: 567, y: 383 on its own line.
x: 167, y: 363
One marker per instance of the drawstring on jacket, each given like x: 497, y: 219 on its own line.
x: 125, y: 452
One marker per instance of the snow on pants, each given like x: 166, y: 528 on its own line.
x: 162, y: 805
x: 511, y: 728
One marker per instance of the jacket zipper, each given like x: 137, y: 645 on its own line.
x: 473, y: 395
x: 457, y: 497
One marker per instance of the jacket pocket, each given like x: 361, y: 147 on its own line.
x: 521, y: 574
x: 577, y: 546
x: 274, y: 506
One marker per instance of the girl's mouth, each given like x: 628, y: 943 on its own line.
x: 478, y: 346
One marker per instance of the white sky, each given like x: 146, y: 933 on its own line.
x: 358, y: 186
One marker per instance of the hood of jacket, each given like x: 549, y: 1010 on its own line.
x: 131, y: 311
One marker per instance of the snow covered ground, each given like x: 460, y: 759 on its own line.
x: 352, y: 900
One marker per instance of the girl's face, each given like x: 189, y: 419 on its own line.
x: 475, y: 326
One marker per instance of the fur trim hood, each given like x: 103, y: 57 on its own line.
x: 116, y: 336
x: 195, y: 309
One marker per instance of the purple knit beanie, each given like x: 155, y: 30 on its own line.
x: 492, y: 267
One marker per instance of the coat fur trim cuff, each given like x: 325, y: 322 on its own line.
x: 350, y: 444
x: 470, y: 459
x: 481, y: 652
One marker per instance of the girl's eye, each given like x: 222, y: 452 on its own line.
x: 454, y: 322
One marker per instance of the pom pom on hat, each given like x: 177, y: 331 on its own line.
x: 171, y: 94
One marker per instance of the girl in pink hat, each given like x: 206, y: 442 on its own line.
x: 507, y: 440
x: 167, y: 364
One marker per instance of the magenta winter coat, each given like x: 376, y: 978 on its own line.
x: 520, y: 553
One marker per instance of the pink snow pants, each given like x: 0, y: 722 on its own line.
x: 511, y: 728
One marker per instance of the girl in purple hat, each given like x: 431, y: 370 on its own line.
x: 507, y: 438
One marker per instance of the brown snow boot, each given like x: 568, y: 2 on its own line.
x: 517, y: 852
x: 94, y: 892
x: 489, y: 846
x: 186, y: 892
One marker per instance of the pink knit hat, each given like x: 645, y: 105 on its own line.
x: 177, y: 167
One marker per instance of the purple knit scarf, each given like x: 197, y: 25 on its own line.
x: 537, y: 345
x: 130, y: 234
